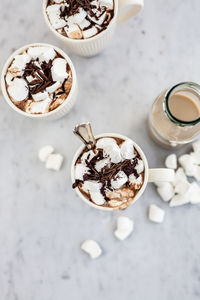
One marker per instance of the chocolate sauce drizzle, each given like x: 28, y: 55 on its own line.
x: 42, y: 76
x: 108, y: 172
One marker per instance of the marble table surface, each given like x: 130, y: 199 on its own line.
x: 42, y: 222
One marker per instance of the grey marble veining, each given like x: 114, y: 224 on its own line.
x: 42, y: 222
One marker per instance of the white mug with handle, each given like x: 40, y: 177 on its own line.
x: 94, y: 45
x: 150, y: 175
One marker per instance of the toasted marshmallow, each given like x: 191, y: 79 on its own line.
x: 54, y: 162
x: 90, y: 32
x: 178, y: 200
x: 59, y: 69
x: 113, y: 152
x: 166, y: 192
x: 124, y: 228
x: 80, y: 170
x: 92, y: 186
x: 97, y: 198
x: 35, y: 52
x: 171, y: 161
x: 119, y: 180
x: 101, y: 164
x: 127, y: 149
x: 40, y: 96
x: 45, y: 152
x: 196, y: 146
x: 48, y: 54
x: 52, y: 88
x: 18, y: 90
x: 73, y: 31
x: 40, y: 107
x: 140, y: 166
x: 156, y: 214
x: 92, y: 248
x: 103, y: 142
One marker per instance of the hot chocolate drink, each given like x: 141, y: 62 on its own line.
x: 111, y: 174
x: 80, y: 19
x: 38, y: 80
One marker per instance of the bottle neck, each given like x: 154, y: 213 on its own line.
x: 190, y: 88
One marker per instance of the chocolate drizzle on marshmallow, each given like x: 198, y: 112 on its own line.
x: 110, y: 177
x: 42, y: 76
x: 80, y: 19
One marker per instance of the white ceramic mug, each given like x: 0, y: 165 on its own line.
x: 62, y: 109
x: 150, y: 175
x: 94, y: 45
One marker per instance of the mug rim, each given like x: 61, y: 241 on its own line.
x: 76, y: 41
x: 146, y: 173
x: 3, y: 82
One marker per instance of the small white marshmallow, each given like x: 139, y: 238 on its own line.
x: 92, y: 248
x: 156, y: 214
x: 54, y: 162
x: 171, y: 161
x: 45, y: 152
x: 59, y: 69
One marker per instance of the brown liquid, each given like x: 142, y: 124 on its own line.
x: 184, y: 108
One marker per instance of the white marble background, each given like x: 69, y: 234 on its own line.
x: 42, y: 222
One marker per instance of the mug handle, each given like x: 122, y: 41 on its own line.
x: 161, y: 175
x: 136, y: 6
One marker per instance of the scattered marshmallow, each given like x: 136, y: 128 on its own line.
x: 187, y: 162
x: 18, y: 90
x: 178, y: 200
x: 136, y: 180
x: 59, y: 69
x: 156, y: 214
x: 54, y: 162
x: 127, y: 149
x: 182, y: 187
x: 179, y: 176
x: 124, y: 228
x: 194, y: 193
x: 53, y: 12
x: 92, y: 248
x: 166, y: 191
x: 119, y: 180
x: 196, y: 146
x: 45, y: 152
x: 171, y: 161
x: 195, y: 157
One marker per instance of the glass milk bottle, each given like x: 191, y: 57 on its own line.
x: 175, y: 116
